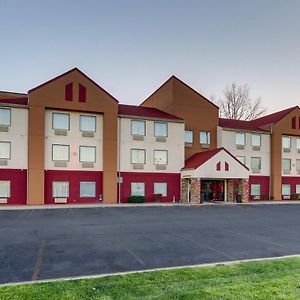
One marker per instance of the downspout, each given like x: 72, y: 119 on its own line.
x: 119, y: 160
x: 270, y: 177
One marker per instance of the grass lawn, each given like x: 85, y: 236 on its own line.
x: 251, y: 280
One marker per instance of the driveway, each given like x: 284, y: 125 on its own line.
x: 44, y: 244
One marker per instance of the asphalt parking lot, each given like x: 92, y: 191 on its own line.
x: 44, y: 244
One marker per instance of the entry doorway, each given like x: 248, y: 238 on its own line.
x: 212, y: 190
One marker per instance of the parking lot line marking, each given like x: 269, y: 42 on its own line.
x: 38, y: 261
x: 203, y: 245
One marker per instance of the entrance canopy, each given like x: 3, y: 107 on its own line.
x: 215, y: 164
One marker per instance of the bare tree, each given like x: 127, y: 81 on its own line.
x: 237, y: 103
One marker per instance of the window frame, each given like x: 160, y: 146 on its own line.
x: 207, y: 136
x: 9, y: 156
x: 61, y: 145
x: 286, y: 137
x: 290, y: 160
x: 8, y: 109
x: 297, y: 139
x: 85, y: 146
x: 166, y: 151
x: 138, y: 120
x: 256, y: 134
x: 255, y: 184
x: 286, y: 184
x: 244, y: 163
x: 241, y: 133
x: 9, y: 194
x: 95, y: 184
x: 165, y: 183
x: 95, y: 118
x: 254, y: 157
x: 167, y: 129
x: 59, y: 113
x: 189, y: 130
x: 134, y: 182
x: 131, y: 156
x: 55, y: 181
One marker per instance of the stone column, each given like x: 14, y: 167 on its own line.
x: 230, y: 190
x: 184, y: 190
x: 244, y: 189
x: 195, y: 190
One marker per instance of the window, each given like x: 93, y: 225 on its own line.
x: 60, y: 189
x: 138, y: 156
x: 160, y: 129
x: 255, y: 189
x: 160, y: 157
x: 137, y: 189
x: 5, y: 116
x: 61, y: 121
x: 160, y: 188
x: 286, y: 164
x: 286, y: 190
x: 205, y: 137
x: 286, y: 142
x: 60, y: 152
x: 4, y: 150
x: 87, y: 189
x: 298, y: 165
x: 255, y: 163
x: 298, y: 144
x: 297, y: 188
x: 4, y: 188
x: 256, y: 140
x: 240, y: 139
x: 88, y: 123
x: 188, y: 136
x: 138, y: 127
x: 242, y: 159
x: 87, y: 154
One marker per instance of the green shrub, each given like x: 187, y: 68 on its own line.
x: 136, y: 199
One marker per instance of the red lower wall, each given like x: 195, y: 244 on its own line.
x: 18, y: 185
x: 172, y: 179
x: 74, y: 178
x: 293, y: 181
x: 264, y: 182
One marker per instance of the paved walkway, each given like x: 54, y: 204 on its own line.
x: 44, y: 244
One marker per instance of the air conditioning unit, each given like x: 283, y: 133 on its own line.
x: 286, y: 171
x: 87, y: 164
x: 286, y: 197
x: 256, y: 171
x: 61, y: 132
x: 60, y: 200
x: 60, y: 163
x: 256, y: 148
x: 3, y: 162
x: 240, y: 147
x: 3, y: 200
x: 286, y: 150
x: 87, y: 134
x: 161, y: 167
x: 4, y: 128
x: 138, y: 166
x: 188, y: 145
x: 137, y: 137
x: 161, y: 139
x: 205, y: 146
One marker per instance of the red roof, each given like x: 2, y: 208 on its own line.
x: 255, y: 125
x: 198, y: 159
x: 141, y: 111
x: 20, y: 100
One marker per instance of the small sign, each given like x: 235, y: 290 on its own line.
x: 120, y: 179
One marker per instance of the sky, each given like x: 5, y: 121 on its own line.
x: 130, y: 47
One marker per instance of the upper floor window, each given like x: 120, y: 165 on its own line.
x: 205, y: 137
x: 87, y: 123
x: 138, y: 156
x: 286, y: 143
x: 255, y: 163
x: 256, y: 140
x: 60, y: 152
x: 5, y: 116
x: 87, y: 154
x: 4, y: 150
x: 188, y: 136
x: 242, y: 159
x: 298, y: 143
x: 138, y: 127
x: 61, y: 121
x: 160, y: 157
x: 240, y: 139
x: 160, y: 129
x: 298, y: 166
x: 286, y: 165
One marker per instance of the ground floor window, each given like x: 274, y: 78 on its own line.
x: 297, y: 188
x: 286, y: 190
x: 137, y: 189
x: 4, y: 188
x: 60, y: 189
x: 255, y: 189
x: 161, y: 188
x: 87, y: 189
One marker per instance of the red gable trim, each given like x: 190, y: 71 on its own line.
x: 141, y: 111
x: 198, y: 159
x: 20, y: 101
x: 68, y: 72
x: 176, y: 78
